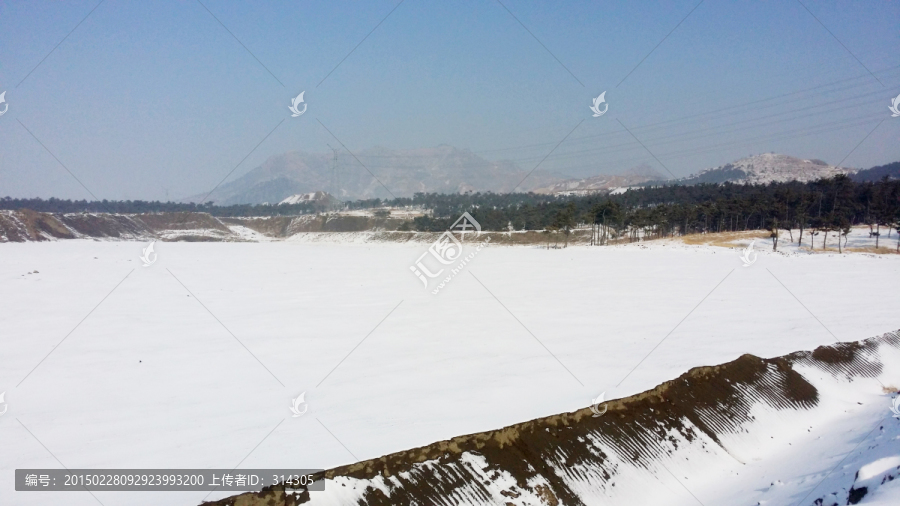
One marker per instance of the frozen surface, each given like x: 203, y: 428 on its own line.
x: 150, y: 379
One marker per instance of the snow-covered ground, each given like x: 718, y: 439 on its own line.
x: 858, y: 239
x: 157, y: 375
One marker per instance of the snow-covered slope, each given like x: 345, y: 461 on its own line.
x: 767, y: 168
x: 311, y: 197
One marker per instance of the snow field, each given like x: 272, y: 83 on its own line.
x: 150, y: 379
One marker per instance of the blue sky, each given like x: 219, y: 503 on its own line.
x: 144, y: 98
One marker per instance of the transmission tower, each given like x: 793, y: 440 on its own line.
x: 334, y: 177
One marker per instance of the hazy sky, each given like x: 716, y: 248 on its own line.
x: 144, y: 98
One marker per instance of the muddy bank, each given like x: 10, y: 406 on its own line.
x: 26, y: 225
x: 541, y: 461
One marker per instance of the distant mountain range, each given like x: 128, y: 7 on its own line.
x: 377, y: 172
x: 386, y: 173
x: 755, y: 169
x: 891, y: 170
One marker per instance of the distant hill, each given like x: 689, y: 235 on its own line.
x: 766, y: 168
x: 442, y: 169
x: 891, y: 170
x: 318, y: 197
x: 386, y: 173
x: 602, y: 183
x: 755, y: 169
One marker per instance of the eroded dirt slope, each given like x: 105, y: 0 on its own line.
x: 562, y: 459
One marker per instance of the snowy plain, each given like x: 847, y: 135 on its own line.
x: 193, y: 361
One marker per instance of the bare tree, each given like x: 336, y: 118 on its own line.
x: 773, y: 233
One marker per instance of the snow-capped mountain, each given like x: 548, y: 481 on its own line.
x: 767, y: 168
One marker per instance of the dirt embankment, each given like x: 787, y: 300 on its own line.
x: 26, y: 225
x: 701, y: 405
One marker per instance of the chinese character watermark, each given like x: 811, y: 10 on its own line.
x: 448, y: 250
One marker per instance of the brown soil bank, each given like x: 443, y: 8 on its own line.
x: 701, y: 405
x: 25, y: 225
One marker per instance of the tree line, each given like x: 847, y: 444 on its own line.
x: 826, y: 206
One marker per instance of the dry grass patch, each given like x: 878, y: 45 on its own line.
x: 723, y: 239
x: 881, y: 250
